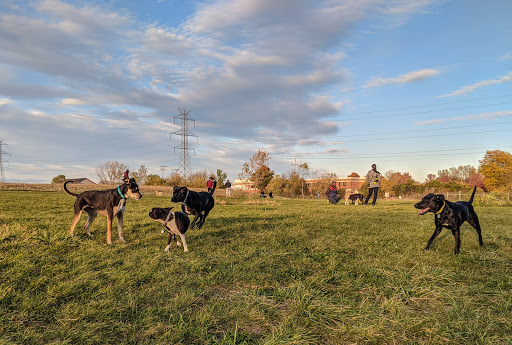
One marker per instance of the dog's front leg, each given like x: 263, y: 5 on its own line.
x: 437, y: 231
x: 194, y: 221
x: 203, y: 218
x: 120, y: 226
x: 456, y: 235
x: 171, y: 237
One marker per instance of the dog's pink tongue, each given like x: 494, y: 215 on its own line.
x: 422, y: 212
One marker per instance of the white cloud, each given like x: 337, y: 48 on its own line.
x: 405, y: 8
x: 410, y: 77
x: 471, y: 88
x: 5, y: 101
x: 72, y: 101
x: 249, y: 71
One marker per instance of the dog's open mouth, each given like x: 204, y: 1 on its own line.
x: 423, y: 211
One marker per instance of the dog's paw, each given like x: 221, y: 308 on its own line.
x: 167, y: 248
x: 178, y: 243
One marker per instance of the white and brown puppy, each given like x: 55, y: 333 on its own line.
x: 175, y: 223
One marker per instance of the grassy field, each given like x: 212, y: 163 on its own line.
x: 259, y: 272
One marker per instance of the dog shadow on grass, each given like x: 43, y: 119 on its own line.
x: 229, y: 227
x: 467, y: 235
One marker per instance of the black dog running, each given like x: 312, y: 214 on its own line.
x: 450, y: 215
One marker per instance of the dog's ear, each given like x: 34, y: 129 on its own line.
x: 440, y: 197
x: 175, y: 188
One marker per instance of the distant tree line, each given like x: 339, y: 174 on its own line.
x: 494, y: 174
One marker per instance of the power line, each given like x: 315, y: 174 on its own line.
x: 241, y: 124
x: 252, y: 123
x: 320, y: 155
x: 237, y: 142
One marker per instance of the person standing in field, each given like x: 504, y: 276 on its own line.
x: 373, y: 179
x: 211, y: 184
x: 228, y: 188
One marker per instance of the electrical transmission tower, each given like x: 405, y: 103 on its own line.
x: 185, y: 169
x: 2, y: 153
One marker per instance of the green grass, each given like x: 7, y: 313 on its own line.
x: 259, y: 272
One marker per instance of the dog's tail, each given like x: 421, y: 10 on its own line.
x: 67, y: 191
x: 472, y: 196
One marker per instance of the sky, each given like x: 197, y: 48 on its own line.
x: 413, y: 86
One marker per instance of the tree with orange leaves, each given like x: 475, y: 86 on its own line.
x: 496, y: 166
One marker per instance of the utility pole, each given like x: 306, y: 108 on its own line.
x: 294, y: 165
x: 2, y: 153
x: 162, y: 167
x: 184, y: 133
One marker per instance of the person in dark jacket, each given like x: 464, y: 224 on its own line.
x: 228, y: 188
x: 373, y: 179
x: 332, y: 194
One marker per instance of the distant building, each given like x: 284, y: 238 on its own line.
x: 353, y: 181
x: 245, y: 184
x: 82, y: 180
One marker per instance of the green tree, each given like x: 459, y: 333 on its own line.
x: 155, y: 180
x: 496, y: 167
x: 257, y: 170
x: 221, y: 177
x: 59, y: 179
x: 278, y: 185
x: 293, y: 185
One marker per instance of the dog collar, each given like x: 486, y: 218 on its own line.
x: 165, y: 222
x: 441, y: 209
x: 184, y: 202
x: 121, y: 194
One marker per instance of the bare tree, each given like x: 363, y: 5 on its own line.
x: 303, y: 171
x: 110, y: 172
x: 142, y: 175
